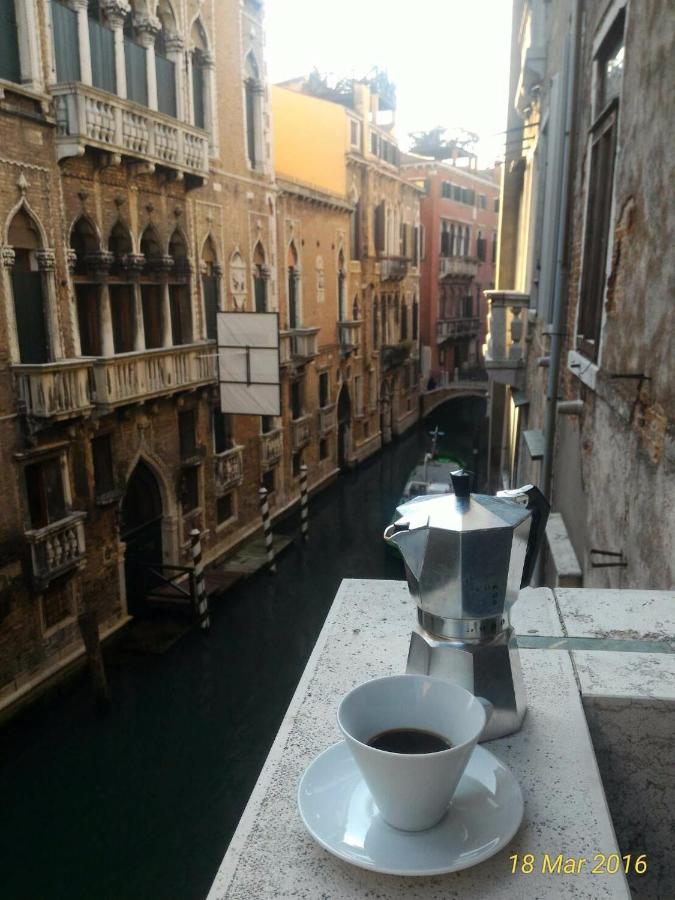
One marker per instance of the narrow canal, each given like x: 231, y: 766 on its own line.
x: 141, y: 802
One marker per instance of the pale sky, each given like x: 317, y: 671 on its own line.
x: 449, y: 59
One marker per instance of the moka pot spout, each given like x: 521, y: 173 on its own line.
x: 412, y: 544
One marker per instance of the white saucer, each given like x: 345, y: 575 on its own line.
x: 340, y: 814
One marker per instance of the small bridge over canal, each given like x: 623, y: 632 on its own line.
x: 468, y: 385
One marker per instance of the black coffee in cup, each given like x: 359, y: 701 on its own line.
x: 409, y: 740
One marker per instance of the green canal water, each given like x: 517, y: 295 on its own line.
x: 140, y: 803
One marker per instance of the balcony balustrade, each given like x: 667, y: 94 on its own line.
x: 327, y: 419
x: 298, y: 345
x: 130, y: 377
x: 228, y: 470
x: 301, y: 432
x: 393, y: 268
x: 349, y: 335
x: 271, y: 448
x: 457, y: 267
x: 392, y: 355
x: 447, y: 329
x: 56, y: 390
x: 507, y: 326
x: 57, y: 548
x: 90, y: 117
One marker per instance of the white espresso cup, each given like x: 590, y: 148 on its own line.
x: 412, y: 791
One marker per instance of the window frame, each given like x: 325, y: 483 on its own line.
x: 600, y: 198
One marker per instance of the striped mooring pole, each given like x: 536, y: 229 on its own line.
x: 267, y: 529
x: 200, y: 585
x: 304, y: 499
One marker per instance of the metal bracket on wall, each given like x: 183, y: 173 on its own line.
x: 621, y: 561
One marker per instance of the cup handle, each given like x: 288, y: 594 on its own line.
x: 489, y: 709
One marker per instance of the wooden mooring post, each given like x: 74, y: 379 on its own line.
x: 201, y: 599
x: 88, y: 623
x: 267, y: 530
x: 304, y: 500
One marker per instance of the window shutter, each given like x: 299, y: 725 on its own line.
x: 10, y: 67
x: 379, y: 227
x: 102, y: 43
x: 166, y: 85
x: 137, y: 79
x: 66, y: 45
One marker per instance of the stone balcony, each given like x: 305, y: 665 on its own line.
x: 301, y: 432
x: 228, y: 470
x: 327, y: 416
x: 349, y: 335
x: 54, y: 391
x: 507, y: 328
x: 457, y: 267
x: 57, y: 548
x: 89, y: 117
x: 271, y: 448
x: 298, y: 345
x: 447, y: 329
x: 392, y: 355
x: 393, y: 268
x: 133, y: 377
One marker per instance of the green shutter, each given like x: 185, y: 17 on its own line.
x: 102, y: 43
x: 66, y: 43
x: 10, y: 68
x: 166, y: 85
x: 198, y: 93
x: 137, y: 73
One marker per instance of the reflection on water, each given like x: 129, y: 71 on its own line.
x: 142, y: 802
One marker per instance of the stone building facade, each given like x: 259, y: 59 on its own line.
x: 368, y: 338
x: 136, y: 200
x: 459, y: 217
x: 580, y: 349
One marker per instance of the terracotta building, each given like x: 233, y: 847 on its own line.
x: 349, y: 228
x: 580, y: 347
x: 459, y: 214
x: 136, y: 200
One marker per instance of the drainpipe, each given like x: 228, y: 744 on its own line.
x: 562, y: 264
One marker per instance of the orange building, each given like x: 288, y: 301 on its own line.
x: 459, y: 216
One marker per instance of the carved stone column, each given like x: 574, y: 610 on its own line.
x: 148, y: 27
x: 116, y: 11
x: 164, y: 265
x: 100, y: 264
x: 209, y: 69
x: 175, y: 46
x: 7, y: 258
x: 80, y: 7
x: 134, y: 263
x: 219, y: 272
x: 46, y: 260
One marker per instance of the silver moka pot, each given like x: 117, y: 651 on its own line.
x: 466, y: 558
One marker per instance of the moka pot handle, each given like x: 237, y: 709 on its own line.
x: 539, y: 508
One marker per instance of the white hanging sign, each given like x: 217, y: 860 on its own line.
x: 248, y: 363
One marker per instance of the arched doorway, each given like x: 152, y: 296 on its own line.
x: 344, y: 416
x: 141, y: 531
